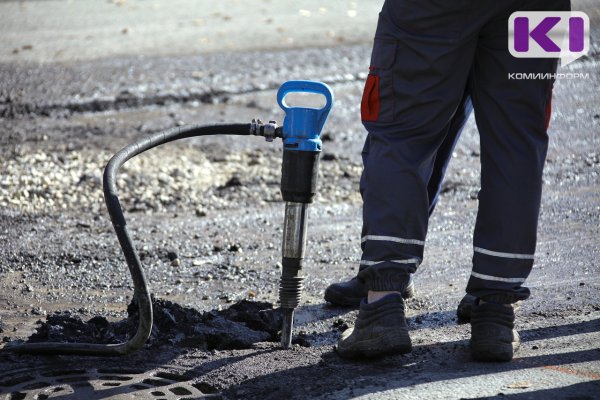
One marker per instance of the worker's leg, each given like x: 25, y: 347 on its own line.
x: 418, y: 74
x: 511, y: 116
x: 352, y: 291
x: 415, y: 87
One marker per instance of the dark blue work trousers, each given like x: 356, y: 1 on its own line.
x: 432, y: 63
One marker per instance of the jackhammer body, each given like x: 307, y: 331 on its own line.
x: 299, y: 175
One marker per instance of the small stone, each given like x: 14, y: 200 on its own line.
x: 340, y: 325
x: 198, y: 74
x: 519, y: 385
x: 226, y: 298
x: 232, y: 182
x: 235, y: 248
x: 200, y: 212
x: 176, y: 262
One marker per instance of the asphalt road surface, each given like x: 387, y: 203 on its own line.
x: 79, y: 80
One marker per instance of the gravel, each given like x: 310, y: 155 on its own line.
x: 183, y: 179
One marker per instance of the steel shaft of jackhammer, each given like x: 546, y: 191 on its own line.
x: 294, y: 230
x: 294, y: 246
x: 286, y: 329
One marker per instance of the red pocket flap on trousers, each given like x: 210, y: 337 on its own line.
x: 369, y: 105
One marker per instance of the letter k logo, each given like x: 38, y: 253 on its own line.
x: 549, y: 34
x: 539, y: 34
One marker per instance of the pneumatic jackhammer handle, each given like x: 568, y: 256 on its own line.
x: 299, y: 172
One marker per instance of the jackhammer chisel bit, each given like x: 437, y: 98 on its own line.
x: 299, y: 171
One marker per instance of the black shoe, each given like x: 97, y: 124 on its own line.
x: 350, y: 293
x: 463, y: 311
x: 380, y: 330
x: 493, y: 337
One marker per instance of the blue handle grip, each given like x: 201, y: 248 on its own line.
x: 302, y: 125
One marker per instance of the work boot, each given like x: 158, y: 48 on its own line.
x: 350, y: 293
x: 493, y: 337
x: 380, y: 330
x: 463, y: 311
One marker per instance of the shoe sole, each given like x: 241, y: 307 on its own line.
x: 392, y: 344
x: 340, y: 299
x: 490, y: 350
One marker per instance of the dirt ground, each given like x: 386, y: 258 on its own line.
x: 206, y: 218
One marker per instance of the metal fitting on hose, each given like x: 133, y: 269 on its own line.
x: 269, y: 130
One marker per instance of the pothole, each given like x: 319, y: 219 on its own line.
x: 102, y: 383
x: 237, y: 327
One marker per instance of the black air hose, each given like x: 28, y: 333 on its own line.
x: 141, y: 293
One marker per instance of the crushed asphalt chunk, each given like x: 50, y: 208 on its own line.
x: 237, y: 327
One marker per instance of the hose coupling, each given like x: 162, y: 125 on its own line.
x: 269, y: 130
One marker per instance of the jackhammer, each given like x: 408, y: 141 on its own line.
x: 300, y: 132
